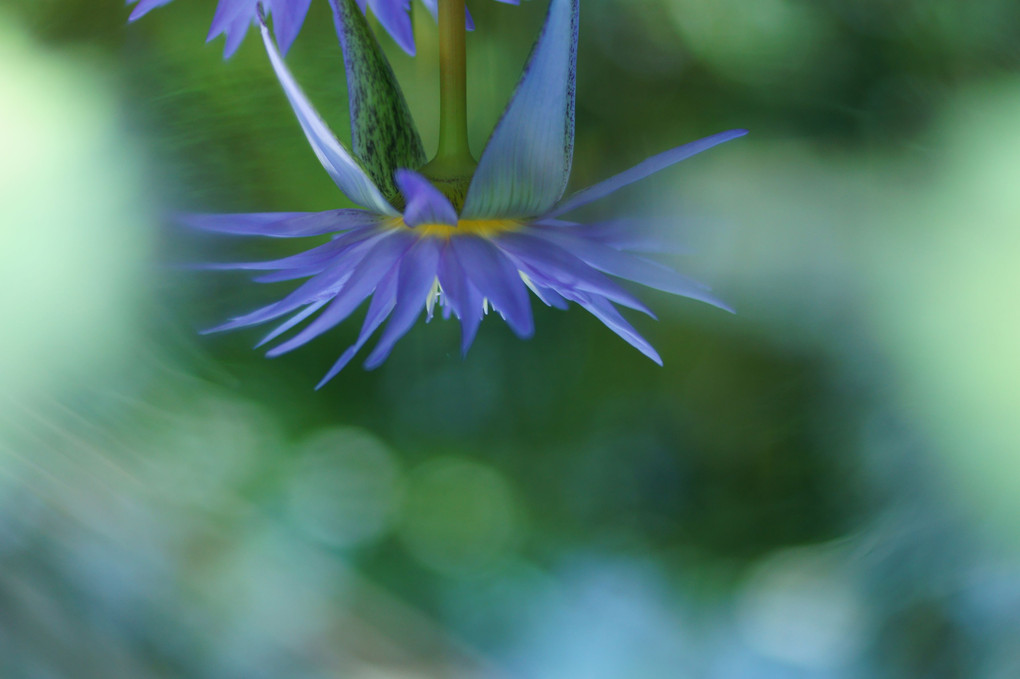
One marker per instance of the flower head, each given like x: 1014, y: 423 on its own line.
x: 233, y: 17
x: 412, y: 247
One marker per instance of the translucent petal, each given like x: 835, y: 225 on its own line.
x: 282, y: 224
x: 642, y: 170
x: 633, y: 268
x: 605, y: 312
x: 291, y: 322
x: 323, y: 254
x: 645, y: 234
x: 545, y: 261
x: 341, y: 166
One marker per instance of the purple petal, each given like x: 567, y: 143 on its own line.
x: 382, y: 304
x: 605, y: 312
x: 341, y: 166
x: 235, y: 33
x: 425, y: 204
x: 549, y: 263
x: 548, y: 296
x: 321, y: 254
x: 291, y: 322
x: 288, y: 17
x: 526, y: 163
x: 282, y: 224
x: 290, y: 274
x: 395, y: 17
x: 363, y: 280
x: 417, y: 274
x: 631, y: 267
x: 496, y: 278
x: 323, y: 286
x: 317, y: 255
x: 144, y: 7
x: 461, y: 295
x: 642, y: 170
x: 227, y: 13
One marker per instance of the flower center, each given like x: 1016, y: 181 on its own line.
x: 484, y: 228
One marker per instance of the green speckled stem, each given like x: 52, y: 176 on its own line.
x: 382, y: 131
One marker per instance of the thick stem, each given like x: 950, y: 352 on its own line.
x: 453, y: 157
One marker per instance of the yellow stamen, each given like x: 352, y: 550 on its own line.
x: 486, y: 228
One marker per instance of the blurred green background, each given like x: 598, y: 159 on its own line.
x: 826, y: 485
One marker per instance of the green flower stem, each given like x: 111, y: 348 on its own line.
x: 453, y: 159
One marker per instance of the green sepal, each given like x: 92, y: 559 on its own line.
x: 383, y: 135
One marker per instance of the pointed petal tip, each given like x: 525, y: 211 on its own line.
x: 645, y: 168
x: 143, y: 8
x: 285, y: 46
x: 712, y: 301
x: 373, y: 362
x: 222, y: 327
x: 333, y: 372
x: 525, y: 333
x: 340, y: 364
x: 425, y: 204
x: 285, y: 347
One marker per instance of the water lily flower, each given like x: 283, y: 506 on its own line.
x: 418, y: 242
x: 233, y: 17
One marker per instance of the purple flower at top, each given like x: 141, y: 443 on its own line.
x: 233, y: 17
x: 409, y: 252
